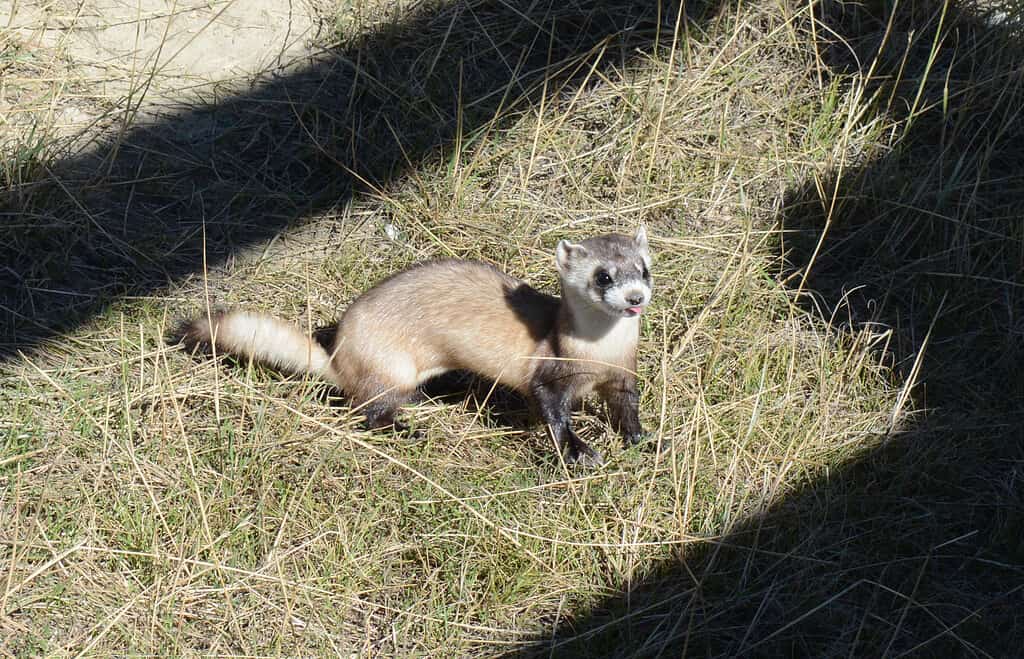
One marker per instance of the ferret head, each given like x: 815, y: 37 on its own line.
x: 610, y: 273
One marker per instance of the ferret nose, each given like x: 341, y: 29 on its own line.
x: 635, y: 299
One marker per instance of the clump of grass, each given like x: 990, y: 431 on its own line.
x: 154, y: 503
x: 26, y: 139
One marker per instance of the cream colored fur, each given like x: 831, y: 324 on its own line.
x: 264, y: 339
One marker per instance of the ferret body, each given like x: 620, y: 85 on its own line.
x: 446, y: 315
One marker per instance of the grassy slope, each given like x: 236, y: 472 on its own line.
x: 160, y: 504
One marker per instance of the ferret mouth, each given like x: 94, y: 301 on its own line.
x: 630, y: 312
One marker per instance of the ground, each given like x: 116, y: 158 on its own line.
x: 830, y: 365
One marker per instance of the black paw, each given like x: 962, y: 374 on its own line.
x: 644, y: 439
x: 404, y: 429
x: 388, y: 423
x: 583, y: 456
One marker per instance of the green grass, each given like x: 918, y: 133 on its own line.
x: 155, y: 503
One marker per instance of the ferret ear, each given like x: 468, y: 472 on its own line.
x: 566, y: 252
x: 640, y: 239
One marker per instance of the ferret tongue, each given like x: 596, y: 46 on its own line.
x: 635, y: 310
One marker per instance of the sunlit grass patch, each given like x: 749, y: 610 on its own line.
x: 154, y: 502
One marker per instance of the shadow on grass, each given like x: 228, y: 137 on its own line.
x: 130, y: 215
x: 918, y: 547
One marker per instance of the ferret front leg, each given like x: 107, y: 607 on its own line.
x: 554, y: 407
x: 623, y: 401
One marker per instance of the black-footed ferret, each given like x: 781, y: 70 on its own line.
x: 447, y: 315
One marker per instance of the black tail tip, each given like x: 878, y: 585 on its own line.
x: 188, y: 333
x: 194, y: 333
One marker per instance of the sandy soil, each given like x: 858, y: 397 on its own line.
x: 160, y: 52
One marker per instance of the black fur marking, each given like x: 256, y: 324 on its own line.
x: 555, y: 406
x: 623, y: 403
x: 194, y: 333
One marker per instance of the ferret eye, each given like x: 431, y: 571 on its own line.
x: 646, y: 273
x: 602, y: 278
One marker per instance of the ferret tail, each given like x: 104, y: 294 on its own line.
x: 259, y: 337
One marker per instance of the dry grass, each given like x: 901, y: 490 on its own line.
x: 806, y: 502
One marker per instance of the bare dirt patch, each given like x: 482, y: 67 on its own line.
x: 152, y: 52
